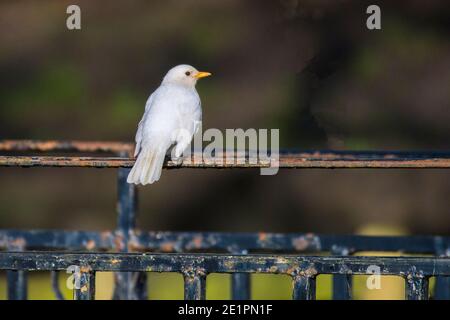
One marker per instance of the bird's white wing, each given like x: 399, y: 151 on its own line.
x: 140, y: 129
x: 198, y: 117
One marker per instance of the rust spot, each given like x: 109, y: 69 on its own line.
x: 118, y: 242
x: 262, y: 236
x: 229, y: 264
x: 282, y: 260
x: 167, y: 246
x: 105, y: 235
x: 310, y: 272
x: 300, y: 243
x: 273, y: 269
x: 134, y: 245
x: 292, y: 271
x: 17, y: 243
x: 197, y: 241
x: 90, y: 245
x: 85, y: 269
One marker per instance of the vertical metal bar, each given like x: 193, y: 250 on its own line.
x: 17, y: 280
x: 240, y: 286
x: 55, y: 285
x: 240, y: 283
x: 442, y: 288
x: 416, y: 287
x: 17, y: 285
x: 304, y: 287
x: 194, y: 285
x: 342, y: 287
x: 86, y: 289
x: 342, y: 283
x: 127, y: 194
x: 128, y: 285
x: 92, y: 287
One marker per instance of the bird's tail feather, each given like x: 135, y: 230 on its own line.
x: 148, y: 166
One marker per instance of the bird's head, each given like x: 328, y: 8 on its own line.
x: 184, y: 74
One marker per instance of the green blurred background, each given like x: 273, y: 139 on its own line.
x: 310, y: 68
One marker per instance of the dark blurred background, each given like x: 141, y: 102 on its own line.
x: 310, y: 68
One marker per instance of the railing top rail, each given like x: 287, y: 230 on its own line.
x: 219, y: 241
x: 224, y: 263
x: 287, y: 159
x: 65, y: 146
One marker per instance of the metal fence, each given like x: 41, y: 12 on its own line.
x: 239, y: 254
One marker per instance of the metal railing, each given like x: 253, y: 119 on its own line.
x: 235, y: 252
x: 195, y: 267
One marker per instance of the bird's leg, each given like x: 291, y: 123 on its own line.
x: 178, y: 150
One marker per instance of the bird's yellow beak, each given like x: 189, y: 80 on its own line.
x: 201, y: 74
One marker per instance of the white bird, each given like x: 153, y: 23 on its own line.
x: 172, y: 115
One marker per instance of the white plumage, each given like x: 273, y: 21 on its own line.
x: 172, y: 115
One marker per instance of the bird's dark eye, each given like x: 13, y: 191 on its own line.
x: 187, y: 73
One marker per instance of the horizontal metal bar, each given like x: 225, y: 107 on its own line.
x: 226, y: 242
x: 94, y: 162
x: 59, y: 239
x: 65, y: 146
x: 224, y: 263
x: 124, y: 147
x: 289, y: 161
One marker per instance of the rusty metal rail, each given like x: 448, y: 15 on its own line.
x: 65, y: 146
x: 196, y: 267
x: 238, y: 249
x: 231, y: 243
x: 167, y: 241
x: 304, y: 159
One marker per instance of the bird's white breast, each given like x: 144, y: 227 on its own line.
x: 172, y: 107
